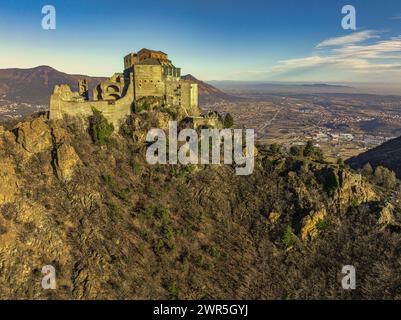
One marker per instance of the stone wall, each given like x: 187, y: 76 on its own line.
x: 62, y: 103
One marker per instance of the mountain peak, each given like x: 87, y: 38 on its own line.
x: 208, y: 92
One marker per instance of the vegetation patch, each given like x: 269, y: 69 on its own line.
x: 100, y: 129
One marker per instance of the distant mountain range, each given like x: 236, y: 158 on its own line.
x: 282, y: 87
x: 36, y: 85
x: 209, y: 93
x: 387, y: 155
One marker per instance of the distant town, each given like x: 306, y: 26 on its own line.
x: 343, y: 125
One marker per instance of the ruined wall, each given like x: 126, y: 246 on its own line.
x: 156, y: 79
x: 173, y: 93
x: 194, y: 96
x: 130, y: 60
x: 62, y: 103
x: 184, y: 94
x: 149, y: 81
x: 188, y: 98
x: 199, y: 122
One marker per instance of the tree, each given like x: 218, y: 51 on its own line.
x: 385, y: 177
x: 309, y: 149
x: 100, y: 129
x: 275, y: 148
x: 228, y: 121
x: 313, y: 152
x: 297, y: 151
x: 367, y: 170
x: 331, y: 183
x: 340, y: 162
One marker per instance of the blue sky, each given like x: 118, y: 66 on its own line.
x: 282, y: 40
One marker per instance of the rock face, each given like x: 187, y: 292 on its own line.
x: 34, y: 136
x: 386, y: 215
x: 309, y: 224
x: 274, y: 217
x: 112, y: 226
x: 8, y: 182
x: 353, y: 188
x: 66, y: 161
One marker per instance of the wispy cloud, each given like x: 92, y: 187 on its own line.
x: 396, y: 17
x: 362, y: 55
x: 353, y: 38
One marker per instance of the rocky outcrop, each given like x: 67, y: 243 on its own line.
x: 386, y: 215
x: 66, y: 161
x: 309, y: 228
x: 35, y: 136
x: 8, y: 182
x: 274, y: 217
x: 353, y: 189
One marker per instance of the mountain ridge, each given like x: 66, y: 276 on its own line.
x: 35, y: 85
x: 388, y: 155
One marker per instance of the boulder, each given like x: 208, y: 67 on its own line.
x: 35, y: 136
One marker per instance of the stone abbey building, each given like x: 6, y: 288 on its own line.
x: 148, y: 75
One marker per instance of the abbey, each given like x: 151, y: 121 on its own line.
x: 149, y: 77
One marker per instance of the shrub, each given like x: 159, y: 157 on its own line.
x: 144, y: 106
x: 322, y: 225
x: 108, y: 180
x: 275, y: 148
x: 159, y: 246
x: 297, y: 151
x: 355, y: 203
x: 115, y: 210
x: 367, y: 170
x: 122, y: 194
x: 331, y: 183
x: 228, y: 121
x: 168, y: 233
x: 313, y: 152
x: 100, y: 129
x: 214, y: 252
x: 164, y: 215
x: 289, y: 238
x: 3, y: 230
x: 341, y: 163
x: 137, y: 168
x: 172, y: 289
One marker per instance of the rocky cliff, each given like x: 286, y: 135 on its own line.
x: 117, y: 228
